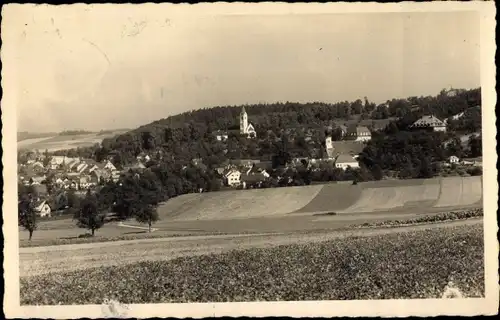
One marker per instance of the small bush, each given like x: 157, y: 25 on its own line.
x: 445, y: 216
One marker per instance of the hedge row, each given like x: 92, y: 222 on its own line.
x: 440, y: 217
x: 416, y: 264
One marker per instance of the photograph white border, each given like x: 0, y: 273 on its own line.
x: 432, y: 307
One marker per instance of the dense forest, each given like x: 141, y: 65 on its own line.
x: 190, y: 135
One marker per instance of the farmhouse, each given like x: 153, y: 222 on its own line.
x: 429, y: 122
x: 37, y: 180
x: 232, y: 177
x: 253, y: 178
x: 358, y: 133
x: 42, y: 209
x: 453, y: 159
x: 345, y: 161
x: 109, y: 166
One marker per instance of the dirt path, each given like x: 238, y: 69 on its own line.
x: 41, y: 260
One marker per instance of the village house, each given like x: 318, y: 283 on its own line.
x: 135, y: 166
x: 358, y: 133
x: 243, y: 162
x: 453, y: 159
x: 108, y: 165
x: 232, y: 177
x: 477, y: 162
x: 344, y: 161
x: 255, y: 170
x: 252, y: 179
x: 71, y: 164
x: 37, y: 180
x: 429, y: 122
x: 221, y: 135
x: 58, y: 161
x: 42, y: 209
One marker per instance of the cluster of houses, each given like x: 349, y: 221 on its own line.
x: 475, y: 162
x: 66, y: 172
x: 246, y: 172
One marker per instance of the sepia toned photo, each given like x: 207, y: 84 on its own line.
x: 249, y: 159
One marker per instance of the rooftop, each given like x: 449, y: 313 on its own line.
x: 429, y: 121
x: 344, y: 158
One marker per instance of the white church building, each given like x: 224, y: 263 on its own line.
x: 246, y: 128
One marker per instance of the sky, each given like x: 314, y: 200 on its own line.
x: 106, y: 67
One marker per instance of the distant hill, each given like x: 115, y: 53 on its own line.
x: 66, y: 140
x: 74, y: 132
x: 25, y: 135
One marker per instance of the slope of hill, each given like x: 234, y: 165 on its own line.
x: 423, y: 196
x: 65, y: 141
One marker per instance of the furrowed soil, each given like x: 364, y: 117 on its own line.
x: 403, y: 263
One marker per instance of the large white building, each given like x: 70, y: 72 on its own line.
x: 344, y: 161
x: 358, y: 133
x: 245, y: 127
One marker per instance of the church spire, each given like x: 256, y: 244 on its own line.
x: 243, y: 110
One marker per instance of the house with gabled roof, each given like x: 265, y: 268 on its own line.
x: 108, y: 165
x: 345, y: 161
x: 429, y: 122
x: 42, y: 208
x: 232, y: 177
x: 358, y: 133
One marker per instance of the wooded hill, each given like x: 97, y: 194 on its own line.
x: 189, y: 135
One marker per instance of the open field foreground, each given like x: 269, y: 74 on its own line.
x: 374, y: 264
x: 64, y: 231
x: 63, y: 142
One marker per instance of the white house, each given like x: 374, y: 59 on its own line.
x: 359, y: 133
x: 233, y: 177
x: 245, y: 127
x: 344, y: 161
x: 109, y: 166
x: 43, y: 209
x: 221, y: 135
x: 454, y: 159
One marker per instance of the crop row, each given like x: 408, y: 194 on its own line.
x: 440, y: 217
x: 418, y: 264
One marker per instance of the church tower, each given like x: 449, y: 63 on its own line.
x: 243, y: 121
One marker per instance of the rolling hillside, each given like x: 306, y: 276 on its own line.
x: 55, y: 142
x: 425, y: 195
